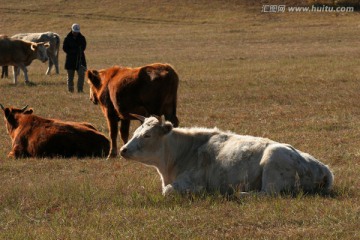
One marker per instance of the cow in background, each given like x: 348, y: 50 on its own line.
x: 199, y: 159
x: 52, y: 51
x: 34, y: 136
x: 20, y: 54
x: 147, y: 90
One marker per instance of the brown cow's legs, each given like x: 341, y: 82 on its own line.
x: 124, y: 130
x: 5, y: 72
x: 16, y: 72
x: 169, y: 111
x: 113, y: 127
x: 173, y: 119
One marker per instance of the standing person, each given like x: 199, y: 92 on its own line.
x: 74, y: 46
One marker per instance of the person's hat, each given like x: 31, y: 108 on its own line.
x: 75, y: 28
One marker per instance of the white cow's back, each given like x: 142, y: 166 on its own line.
x: 197, y: 159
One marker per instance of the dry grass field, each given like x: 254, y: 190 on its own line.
x: 291, y: 77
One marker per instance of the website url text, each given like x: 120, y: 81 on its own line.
x: 313, y: 8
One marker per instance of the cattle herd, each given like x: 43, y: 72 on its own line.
x: 188, y: 160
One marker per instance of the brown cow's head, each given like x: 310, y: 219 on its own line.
x: 94, y: 81
x: 40, y: 49
x: 11, y: 116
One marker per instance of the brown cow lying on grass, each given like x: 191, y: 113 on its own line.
x: 147, y: 90
x: 34, y: 136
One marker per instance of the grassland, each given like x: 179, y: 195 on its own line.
x: 293, y: 78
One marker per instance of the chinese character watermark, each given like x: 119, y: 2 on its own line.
x: 273, y: 8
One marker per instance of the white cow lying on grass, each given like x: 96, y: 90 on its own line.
x: 199, y: 159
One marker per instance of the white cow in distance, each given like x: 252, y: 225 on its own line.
x: 199, y: 159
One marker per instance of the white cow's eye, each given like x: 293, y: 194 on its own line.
x: 147, y: 135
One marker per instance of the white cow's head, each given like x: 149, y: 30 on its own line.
x: 40, y: 49
x: 146, y: 144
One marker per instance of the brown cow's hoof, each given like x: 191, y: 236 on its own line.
x: 111, y: 155
x: 28, y: 83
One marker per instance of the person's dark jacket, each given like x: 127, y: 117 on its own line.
x: 74, y: 49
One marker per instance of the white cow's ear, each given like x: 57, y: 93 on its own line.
x: 167, y: 127
x: 138, y: 117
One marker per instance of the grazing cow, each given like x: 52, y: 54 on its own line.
x: 20, y: 54
x: 151, y: 89
x: 34, y: 136
x: 199, y: 159
x: 52, y: 51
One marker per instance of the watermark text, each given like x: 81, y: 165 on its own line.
x: 313, y: 8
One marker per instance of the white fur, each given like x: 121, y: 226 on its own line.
x: 52, y: 51
x: 198, y: 159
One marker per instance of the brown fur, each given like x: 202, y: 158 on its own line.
x: 20, y: 54
x: 52, y: 51
x: 34, y: 136
x: 146, y: 90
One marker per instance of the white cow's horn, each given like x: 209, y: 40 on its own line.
x: 137, y: 116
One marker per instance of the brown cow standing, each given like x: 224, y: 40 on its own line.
x: 52, y: 51
x: 34, y: 136
x: 20, y: 54
x: 146, y: 90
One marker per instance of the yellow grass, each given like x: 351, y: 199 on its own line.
x: 291, y: 77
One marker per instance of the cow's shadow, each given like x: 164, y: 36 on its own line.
x: 241, y: 197
x: 33, y: 84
